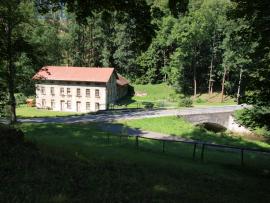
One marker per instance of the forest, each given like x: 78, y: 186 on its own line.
x: 196, y: 46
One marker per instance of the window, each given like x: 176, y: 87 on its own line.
x: 68, y: 104
x: 43, y: 103
x: 97, y: 106
x: 62, y: 91
x: 87, y: 106
x: 68, y: 91
x: 78, y: 92
x: 52, y: 104
x: 43, y: 90
x: 87, y: 92
x: 52, y: 90
x: 97, y: 93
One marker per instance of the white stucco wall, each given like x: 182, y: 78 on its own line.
x: 73, y: 98
x: 111, y: 90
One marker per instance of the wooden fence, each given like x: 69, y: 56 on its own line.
x: 196, y: 144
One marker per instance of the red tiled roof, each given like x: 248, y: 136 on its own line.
x: 68, y: 73
x: 121, y: 80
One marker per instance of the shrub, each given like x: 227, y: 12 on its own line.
x: 20, y: 98
x: 160, y: 104
x: 256, y: 117
x: 173, y: 97
x: 185, y: 102
x: 200, y: 101
x: 10, y: 135
x: 148, y: 105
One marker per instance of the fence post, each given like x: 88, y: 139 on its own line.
x: 242, y: 156
x: 137, y: 142
x: 120, y: 138
x: 202, y: 152
x: 108, y: 137
x: 194, y: 150
x: 163, y: 146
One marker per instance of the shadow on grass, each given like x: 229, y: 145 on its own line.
x: 104, y: 140
x: 215, y: 154
x: 77, y: 164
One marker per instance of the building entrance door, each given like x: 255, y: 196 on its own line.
x: 62, y: 105
x: 78, y: 106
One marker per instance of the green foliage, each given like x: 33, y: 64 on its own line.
x: 200, y: 101
x: 257, y: 13
x: 256, y: 117
x: 173, y: 97
x: 190, y: 45
x: 15, y: 19
x: 10, y: 137
x: 148, y: 105
x: 3, y: 98
x: 177, y: 126
x: 20, y: 98
x: 185, y: 102
x: 155, y: 60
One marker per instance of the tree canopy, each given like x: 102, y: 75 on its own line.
x: 196, y: 46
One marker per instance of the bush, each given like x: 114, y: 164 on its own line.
x: 160, y: 104
x: 173, y: 97
x: 20, y: 98
x: 256, y: 117
x: 10, y: 136
x: 185, y: 102
x: 200, y: 101
x: 148, y: 105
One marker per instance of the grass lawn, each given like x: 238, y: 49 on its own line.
x: 76, y: 163
x: 24, y: 111
x: 154, y: 92
x: 213, y: 100
x: 179, y: 127
x: 164, y: 95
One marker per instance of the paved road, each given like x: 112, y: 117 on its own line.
x: 134, y: 114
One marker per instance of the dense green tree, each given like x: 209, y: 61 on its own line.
x: 198, y: 36
x: 14, y: 15
x: 238, y: 48
x: 155, y: 60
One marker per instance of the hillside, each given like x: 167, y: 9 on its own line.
x: 76, y: 163
x: 163, y: 95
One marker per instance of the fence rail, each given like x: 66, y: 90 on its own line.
x: 203, y: 146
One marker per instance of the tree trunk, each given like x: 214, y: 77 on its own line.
x: 239, y: 86
x: 92, y: 60
x: 194, y: 82
x: 164, y: 65
x: 210, y: 84
x: 11, y: 75
x: 223, y: 82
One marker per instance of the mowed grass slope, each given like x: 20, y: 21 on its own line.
x: 76, y: 163
x: 24, y: 111
x: 155, y: 92
x: 176, y: 126
x: 163, y: 94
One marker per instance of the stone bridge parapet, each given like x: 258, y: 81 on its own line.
x: 224, y: 119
